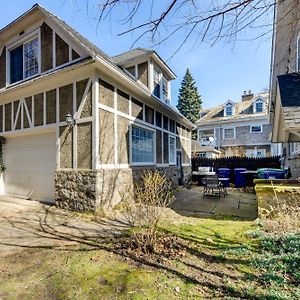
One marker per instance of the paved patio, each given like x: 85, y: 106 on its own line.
x: 26, y: 224
x: 190, y: 202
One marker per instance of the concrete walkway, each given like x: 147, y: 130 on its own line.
x: 190, y: 202
x: 31, y: 224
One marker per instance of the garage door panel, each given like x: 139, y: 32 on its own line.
x: 30, y: 163
x: 23, y: 166
x: 31, y: 153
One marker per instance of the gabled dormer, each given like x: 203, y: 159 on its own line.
x: 259, y: 104
x: 36, y: 43
x: 229, y: 109
x: 148, y: 69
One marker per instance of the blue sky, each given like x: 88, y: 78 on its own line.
x: 221, y: 72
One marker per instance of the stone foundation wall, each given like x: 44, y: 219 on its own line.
x: 75, y: 190
x: 81, y: 190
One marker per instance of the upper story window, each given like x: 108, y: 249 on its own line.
x: 24, y: 60
x: 259, y: 106
x: 229, y: 133
x: 160, y: 85
x: 228, y: 111
x: 156, y: 90
x: 165, y: 88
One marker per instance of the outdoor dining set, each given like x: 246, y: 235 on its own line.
x: 217, y: 182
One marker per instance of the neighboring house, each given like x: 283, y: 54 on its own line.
x: 81, y: 126
x: 204, y: 151
x: 285, y: 89
x: 238, y: 129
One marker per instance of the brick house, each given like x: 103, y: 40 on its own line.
x: 238, y: 128
x: 81, y: 126
x: 285, y: 89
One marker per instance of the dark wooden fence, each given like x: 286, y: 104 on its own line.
x: 250, y: 163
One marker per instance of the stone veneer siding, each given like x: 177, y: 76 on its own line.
x: 75, y: 190
x: 87, y: 190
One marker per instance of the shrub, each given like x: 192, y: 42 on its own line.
x: 150, y: 195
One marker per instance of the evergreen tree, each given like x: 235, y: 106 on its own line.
x: 189, y: 100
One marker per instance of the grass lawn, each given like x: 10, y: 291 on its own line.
x: 216, y: 260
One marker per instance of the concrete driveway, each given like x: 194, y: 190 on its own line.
x: 190, y: 202
x: 30, y: 224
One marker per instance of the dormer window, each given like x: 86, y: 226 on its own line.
x: 165, y: 88
x: 228, y: 110
x: 156, y: 90
x: 258, y: 106
x: 24, y: 60
x: 160, y: 85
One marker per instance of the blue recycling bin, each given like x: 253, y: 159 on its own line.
x: 224, y: 173
x: 268, y: 173
x: 240, y: 179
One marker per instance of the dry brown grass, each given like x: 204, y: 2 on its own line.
x: 284, y: 216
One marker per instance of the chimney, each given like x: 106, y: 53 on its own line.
x: 247, y: 96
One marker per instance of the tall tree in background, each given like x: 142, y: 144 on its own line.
x: 189, y: 100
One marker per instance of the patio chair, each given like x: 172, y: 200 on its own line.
x: 212, y: 186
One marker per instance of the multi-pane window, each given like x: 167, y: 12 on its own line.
x: 156, y: 91
x: 165, y: 88
x: 172, y: 151
x: 160, y: 85
x: 259, y: 106
x: 142, y: 143
x: 31, y: 66
x: 294, y: 148
x: 256, y: 128
x: 229, y: 133
x: 228, y: 110
x: 24, y: 61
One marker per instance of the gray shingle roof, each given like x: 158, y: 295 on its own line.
x: 131, y: 54
x: 243, y: 109
x: 289, y: 87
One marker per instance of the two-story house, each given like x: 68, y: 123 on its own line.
x: 237, y: 128
x: 81, y: 126
x: 285, y: 89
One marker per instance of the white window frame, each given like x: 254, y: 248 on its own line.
x: 25, y: 39
x: 174, y: 150
x: 262, y: 103
x: 161, y: 78
x: 225, y: 109
x: 234, y: 132
x: 251, y: 130
x: 295, y: 148
x: 134, y: 124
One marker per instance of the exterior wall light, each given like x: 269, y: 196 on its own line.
x: 70, y: 120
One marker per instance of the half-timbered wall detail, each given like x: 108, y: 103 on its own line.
x: 117, y: 112
x: 55, y: 51
x: 49, y: 109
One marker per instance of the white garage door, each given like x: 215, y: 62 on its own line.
x: 30, y: 163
